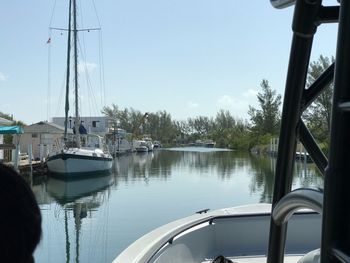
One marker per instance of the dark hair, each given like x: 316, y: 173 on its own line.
x: 20, y: 218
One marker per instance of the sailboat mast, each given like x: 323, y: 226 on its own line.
x: 68, y: 73
x: 75, y: 37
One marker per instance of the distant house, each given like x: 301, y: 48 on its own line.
x: 3, y: 122
x: 42, y: 136
x: 96, y: 125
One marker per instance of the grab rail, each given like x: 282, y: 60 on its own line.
x: 296, y: 200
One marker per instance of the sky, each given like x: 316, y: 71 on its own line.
x: 186, y: 57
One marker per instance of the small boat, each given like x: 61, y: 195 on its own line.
x: 141, y: 146
x: 118, y: 142
x: 148, y: 142
x: 303, y: 225
x: 209, y: 143
x: 157, y: 144
x: 82, y: 153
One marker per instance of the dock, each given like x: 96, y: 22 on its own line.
x: 24, y: 167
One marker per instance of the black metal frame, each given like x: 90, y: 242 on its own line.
x: 308, y: 15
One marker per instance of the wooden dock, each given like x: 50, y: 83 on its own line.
x: 24, y: 167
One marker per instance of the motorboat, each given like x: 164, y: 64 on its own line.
x: 303, y: 225
x: 118, y: 142
x: 157, y: 144
x: 141, y: 146
x: 148, y: 142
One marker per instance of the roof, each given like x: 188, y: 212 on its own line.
x: 45, y: 127
x: 11, y: 130
x: 4, y: 121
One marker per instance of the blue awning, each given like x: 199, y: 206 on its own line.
x: 11, y: 130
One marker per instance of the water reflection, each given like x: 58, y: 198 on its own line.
x: 93, y: 219
x: 263, y: 175
x: 160, y: 164
x: 77, y: 200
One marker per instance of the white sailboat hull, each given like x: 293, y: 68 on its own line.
x: 76, y: 161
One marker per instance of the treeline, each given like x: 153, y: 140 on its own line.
x: 227, y: 130
x: 224, y: 129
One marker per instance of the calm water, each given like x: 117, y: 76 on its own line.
x: 94, y: 219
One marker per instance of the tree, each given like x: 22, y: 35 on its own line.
x: 201, y: 125
x: 318, y: 114
x: 6, y: 116
x: 266, y: 120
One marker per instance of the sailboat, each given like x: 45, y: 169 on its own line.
x: 82, y: 152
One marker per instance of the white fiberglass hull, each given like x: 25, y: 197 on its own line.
x: 240, y: 233
x: 142, y: 149
x: 76, y: 161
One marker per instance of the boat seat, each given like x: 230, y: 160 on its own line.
x: 311, y: 257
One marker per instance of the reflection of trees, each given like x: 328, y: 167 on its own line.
x: 307, y: 175
x: 160, y: 164
x: 224, y: 164
x: 263, y: 175
x: 157, y: 164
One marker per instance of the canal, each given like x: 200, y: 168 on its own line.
x: 94, y: 218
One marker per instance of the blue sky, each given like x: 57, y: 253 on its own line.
x: 187, y: 57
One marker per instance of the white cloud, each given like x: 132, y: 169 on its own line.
x: 192, y: 104
x: 86, y: 67
x: 250, y: 93
x: 225, y: 101
x: 237, y: 106
x: 2, y: 77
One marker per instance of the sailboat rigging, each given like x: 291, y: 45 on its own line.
x: 84, y: 152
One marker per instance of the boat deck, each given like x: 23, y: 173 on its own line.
x: 259, y: 259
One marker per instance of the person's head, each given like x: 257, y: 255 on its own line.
x: 20, y: 218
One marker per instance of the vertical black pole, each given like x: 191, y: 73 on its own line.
x: 336, y: 212
x: 75, y: 45
x: 66, y: 110
x: 304, y: 28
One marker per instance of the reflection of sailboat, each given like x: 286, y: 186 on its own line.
x: 79, y: 197
x: 66, y: 191
x: 85, y: 152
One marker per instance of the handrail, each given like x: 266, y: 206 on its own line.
x: 281, y: 3
x: 296, y: 200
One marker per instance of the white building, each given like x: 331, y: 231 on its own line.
x: 42, y: 136
x: 96, y: 125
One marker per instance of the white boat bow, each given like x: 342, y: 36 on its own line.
x: 235, y: 232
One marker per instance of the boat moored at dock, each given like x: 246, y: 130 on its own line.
x: 82, y: 152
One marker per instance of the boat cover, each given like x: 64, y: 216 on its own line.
x: 11, y: 130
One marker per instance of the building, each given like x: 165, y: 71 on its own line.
x: 3, y: 122
x: 95, y: 125
x: 43, y: 136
